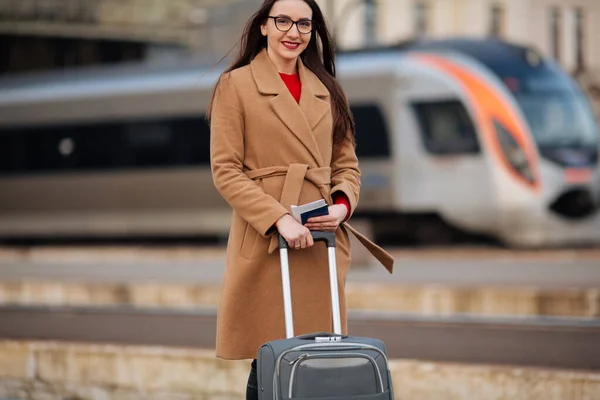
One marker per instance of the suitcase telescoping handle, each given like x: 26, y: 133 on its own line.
x: 329, y: 239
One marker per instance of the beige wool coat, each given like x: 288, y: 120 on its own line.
x: 267, y: 153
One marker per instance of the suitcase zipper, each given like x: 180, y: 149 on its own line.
x: 302, y: 356
x: 305, y: 357
x: 350, y: 346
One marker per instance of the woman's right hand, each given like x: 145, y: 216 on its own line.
x: 296, y: 235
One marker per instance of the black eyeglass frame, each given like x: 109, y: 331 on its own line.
x: 312, y: 26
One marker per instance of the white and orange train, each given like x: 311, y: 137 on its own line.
x: 489, y: 136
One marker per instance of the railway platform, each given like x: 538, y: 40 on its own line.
x: 103, y: 323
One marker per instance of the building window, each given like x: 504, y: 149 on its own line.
x: 497, y: 21
x: 579, y: 40
x: 370, y: 22
x: 421, y: 17
x: 555, y: 32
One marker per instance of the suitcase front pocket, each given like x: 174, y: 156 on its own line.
x: 326, y: 375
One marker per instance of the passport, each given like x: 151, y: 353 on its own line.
x: 306, y: 211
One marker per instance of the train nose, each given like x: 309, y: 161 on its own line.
x: 575, y: 204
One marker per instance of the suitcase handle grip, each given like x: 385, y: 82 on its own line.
x: 313, y: 336
x: 318, y: 236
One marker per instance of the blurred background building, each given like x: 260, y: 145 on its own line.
x: 47, y: 34
x: 562, y: 30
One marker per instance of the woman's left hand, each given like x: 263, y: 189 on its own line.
x: 328, y: 223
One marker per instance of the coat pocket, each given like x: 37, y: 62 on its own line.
x: 248, y: 242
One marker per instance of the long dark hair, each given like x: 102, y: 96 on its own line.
x: 320, y: 59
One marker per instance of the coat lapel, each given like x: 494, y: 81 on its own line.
x: 314, y: 100
x: 300, y: 120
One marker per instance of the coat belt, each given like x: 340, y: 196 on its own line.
x: 295, y: 174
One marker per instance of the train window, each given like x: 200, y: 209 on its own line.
x: 372, y: 139
x: 180, y: 141
x: 446, y: 128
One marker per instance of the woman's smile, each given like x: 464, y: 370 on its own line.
x: 291, y: 45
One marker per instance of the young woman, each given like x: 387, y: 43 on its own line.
x: 281, y: 135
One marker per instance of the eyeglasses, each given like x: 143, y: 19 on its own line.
x: 284, y: 24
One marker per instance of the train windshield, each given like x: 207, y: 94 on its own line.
x: 554, y: 106
x: 559, y: 118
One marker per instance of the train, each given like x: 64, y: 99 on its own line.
x: 488, y: 136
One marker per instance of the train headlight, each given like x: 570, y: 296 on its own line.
x: 513, y: 153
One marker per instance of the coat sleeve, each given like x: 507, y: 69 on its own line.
x: 345, y: 174
x: 259, y: 209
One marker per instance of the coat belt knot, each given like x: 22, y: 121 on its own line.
x: 295, y: 174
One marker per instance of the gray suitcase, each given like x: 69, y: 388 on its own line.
x: 321, y: 366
